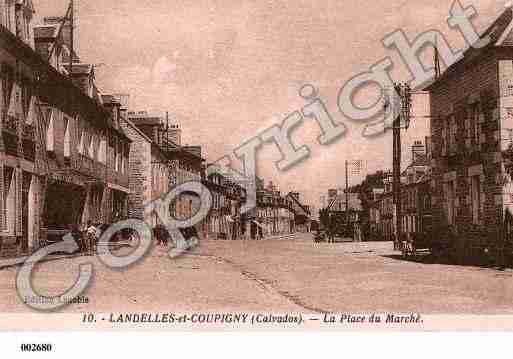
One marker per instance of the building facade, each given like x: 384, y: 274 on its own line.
x: 63, y: 154
x: 148, y: 167
x: 224, y: 220
x: 472, y: 114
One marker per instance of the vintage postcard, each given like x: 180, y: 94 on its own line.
x: 334, y: 165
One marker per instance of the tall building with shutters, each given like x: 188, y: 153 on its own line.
x: 471, y: 122
x: 63, y: 155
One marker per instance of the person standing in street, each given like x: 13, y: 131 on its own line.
x: 91, y: 233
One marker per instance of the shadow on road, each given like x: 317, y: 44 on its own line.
x: 427, y: 258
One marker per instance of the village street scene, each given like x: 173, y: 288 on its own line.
x: 427, y: 227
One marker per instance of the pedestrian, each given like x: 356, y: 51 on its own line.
x: 156, y: 235
x: 162, y: 235
x: 91, y: 233
x: 165, y: 236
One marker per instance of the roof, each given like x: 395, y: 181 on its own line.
x: 14, y: 45
x: 145, y: 119
x: 81, y: 69
x: 142, y: 134
x: 45, y: 31
x: 109, y: 99
x: 500, y: 34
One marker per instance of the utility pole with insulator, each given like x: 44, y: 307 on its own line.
x: 72, y: 35
x: 402, y: 114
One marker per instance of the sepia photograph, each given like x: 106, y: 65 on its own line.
x: 254, y: 166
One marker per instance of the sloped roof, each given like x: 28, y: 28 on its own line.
x: 45, y: 31
x: 81, y: 69
x: 500, y: 34
x: 156, y: 121
x: 109, y: 99
x: 500, y: 28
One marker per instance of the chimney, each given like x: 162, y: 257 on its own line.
x: 175, y: 134
x: 332, y: 193
x: 66, y: 30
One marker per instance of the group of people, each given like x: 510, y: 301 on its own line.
x: 163, y: 237
x: 88, y: 237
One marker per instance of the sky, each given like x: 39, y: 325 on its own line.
x: 228, y: 69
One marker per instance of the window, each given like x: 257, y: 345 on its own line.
x: 81, y: 144
x: 451, y: 134
x: 476, y: 198
x: 67, y: 137
x: 124, y: 161
x: 7, y: 83
x: 10, y: 20
x: 477, y: 126
x: 475, y: 130
x: 444, y: 139
x: 9, y: 200
x: 50, y: 138
x: 427, y: 202
x: 102, y: 153
x: 27, y: 29
x: 450, y: 202
x: 116, y: 155
x: 91, y: 146
x: 26, y: 97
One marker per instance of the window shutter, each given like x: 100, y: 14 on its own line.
x: 91, y: 147
x: 444, y: 141
x: 50, y: 138
x: 67, y: 137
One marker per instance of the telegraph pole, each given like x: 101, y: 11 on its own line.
x: 347, y: 200
x: 402, y: 114
x: 396, y: 175
x: 72, y: 40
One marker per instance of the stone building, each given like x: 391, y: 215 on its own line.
x: 472, y: 118
x: 273, y: 215
x: 162, y: 164
x: 415, y: 197
x: 62, y: 154
x: 148, y: 166
x: 224, y: 220
x: 416, y: 193
x: 187, y: 165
